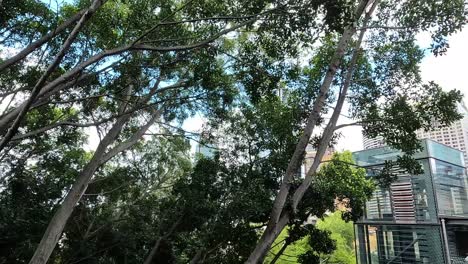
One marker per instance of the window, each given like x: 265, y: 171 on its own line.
x: 461, y: 238
x: 450, y: 188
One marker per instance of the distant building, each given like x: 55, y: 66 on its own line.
x: 310, y: 157
x: 207, y: 150
x: 455, y: 136
x: 204, y: 147
x: 370, y: 143
x: 420, y: 218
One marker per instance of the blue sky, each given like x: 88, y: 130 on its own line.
x: 450, y: 71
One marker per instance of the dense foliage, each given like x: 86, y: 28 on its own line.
x: 94, y: 163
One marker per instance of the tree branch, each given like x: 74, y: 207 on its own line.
x: 33, y: 46
x: 194, y: 45
x: 39, y: 85
x: 132, y: 140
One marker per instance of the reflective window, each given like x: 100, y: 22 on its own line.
x: 410, y: 199
x: 451, y: 188
x: 399, y: 244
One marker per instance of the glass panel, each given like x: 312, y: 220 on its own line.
x: 379, y: 206
x: 404, y: 244
x: 443, y: 152
x: 430, y: 148
x: 451, y: 188
x: 458, y: 243
x: 361, y: 244
x: 410, y: 199
x: 378, y: 156
x: 373, y: 249
x: 424, y: 195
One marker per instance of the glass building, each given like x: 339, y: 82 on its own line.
x: 420, y: 218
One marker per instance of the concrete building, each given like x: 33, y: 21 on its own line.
x: 370, y: 143
x: 420, y: 218
x: 455, y: 136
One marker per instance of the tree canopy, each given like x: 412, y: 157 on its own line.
x: 95, y: 165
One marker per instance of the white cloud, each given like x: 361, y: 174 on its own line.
x: 450, y: 70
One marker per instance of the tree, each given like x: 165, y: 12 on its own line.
x: 131, y: 68
x: 114, y: 220
x: 122, y: 67
x: 388, y: 99
x: 32, y: 191
x: 343, y: 233
x: 339, y: 231
x: 340, y: 182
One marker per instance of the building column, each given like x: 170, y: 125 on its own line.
x: 445, y: 239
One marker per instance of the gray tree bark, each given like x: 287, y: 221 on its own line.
x: 101, y: 155
x: 36, y: 44
x: 155, y: 248
x: 40, y: 83
x: 60, y: 218
x: 330, y: 128
x: 279, y: 218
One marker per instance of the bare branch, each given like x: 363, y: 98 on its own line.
x: 193, y: 45
x: 386, y: 27
x: 158, y: 24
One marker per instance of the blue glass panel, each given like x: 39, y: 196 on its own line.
x: 445, y: 153
x: 430, y: 148
x: 451, y: 188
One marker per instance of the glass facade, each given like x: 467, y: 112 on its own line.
x: 458, y: 243
x: 410, y: 199
x: 402, y: 244
x: 451, y: 188
x: 401, y: 224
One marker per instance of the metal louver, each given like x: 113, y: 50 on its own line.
x: 403, y: 201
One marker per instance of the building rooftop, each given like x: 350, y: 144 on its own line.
x: 430, y: 149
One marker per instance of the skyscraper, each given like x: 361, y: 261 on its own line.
x: 455, y: 136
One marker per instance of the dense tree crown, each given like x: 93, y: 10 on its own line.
x: 95, y: 166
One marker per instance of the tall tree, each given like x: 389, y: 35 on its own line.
x: 142, y: 67
x: 132, y: 65
x: 384, y: 101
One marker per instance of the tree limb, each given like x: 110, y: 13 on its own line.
x: 328, y: 133
x: 132, y: 140
x: 33, y: 46
x: 39, y: 85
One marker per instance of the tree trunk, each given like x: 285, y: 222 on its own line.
x: 197, y: 257
x: 280, y: 252
x: 330, y: 128
x: 57, y: 224
x: 268, y: 237
x: 155, y: 248
x: 55, y: 63
x: 153, y: 251
x: 271, y: 232
x: 58, y: 221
